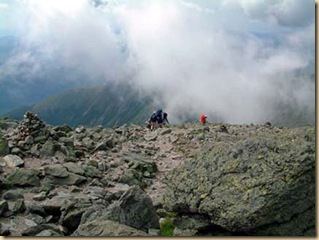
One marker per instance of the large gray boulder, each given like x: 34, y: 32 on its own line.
x: 13, y: 161
x: 259, y: 182
x: 134, y: 209
x: 24, y: 178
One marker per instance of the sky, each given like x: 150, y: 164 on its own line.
x: 235, y: 59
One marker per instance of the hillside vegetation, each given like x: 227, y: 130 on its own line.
x: 109, y: 106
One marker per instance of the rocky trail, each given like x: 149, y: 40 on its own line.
x: 212, y: 180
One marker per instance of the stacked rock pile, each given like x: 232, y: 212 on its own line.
x: 29, y: 131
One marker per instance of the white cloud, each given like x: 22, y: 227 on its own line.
x: 291, y: 13
x: 3, y: 6
x: 199, y: 62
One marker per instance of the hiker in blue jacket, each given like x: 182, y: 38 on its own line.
x: 159, y: 115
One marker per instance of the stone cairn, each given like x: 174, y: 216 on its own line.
x: 31, y: 130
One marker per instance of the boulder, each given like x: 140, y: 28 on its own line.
x: 91, y: 171
x: 72, y: 211
x: 71, y: 179
x: 74, y: 168
x: 24, y: 178
x: 56, y: 171
x: 135, y: 209
x: 13, y: 195
x: 4, y: 231
x: 3, y: 207
x: 266, y: 181
x: 4, y: 147
x: 19, y: 206
x: 48, y: 149
x: 13, y: 161
x: 43, y: 230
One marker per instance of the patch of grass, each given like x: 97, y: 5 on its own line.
x: 167, y: 228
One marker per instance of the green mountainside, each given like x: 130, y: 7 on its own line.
x: 110, y: 106
x: 113, y: 105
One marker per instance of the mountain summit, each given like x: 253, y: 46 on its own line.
x: 179, y: 180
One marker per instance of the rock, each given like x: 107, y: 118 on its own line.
x: 95, y: 191
x: 24, y: 177
x: 110, y: 142
x: 93, y: 172
x: 223, y: 128
x: 72, y: 179
x: 80, y: 129
x: 4, y: 147
x: 147, y: 168
x: 39, y: 229
x: 48, y: 149
x: 74, y: 168
x: 40, y: 139
x: 196, y: 222
x: 29, y: 140
x: 166, y: 131
x: 4, y: 207
x: 184, y: 233
x: 134, y: 209
x: 79, y: 153
x: 34, y: 150
x: 13, y: 195
x: 37, y: 209
x: 19, y: 206
x: 131, y: 177
x: 269, y: 185
x: 64, y: 128
x: 154, y: 232
x: 48, y: 233
x: 53, y: 203
x: 102, y: 166
x: 100, y: 147
x: 4, y: 183
x: 66, y: 141
x: 4, y: 231
x: 56, y: 171
x: 88, y: 143
x: 72, y: 211
x: 151, y: 138
x: 107, y: 228
x: 16, y: 151
x: 39, y: 197
x: 13, y: 161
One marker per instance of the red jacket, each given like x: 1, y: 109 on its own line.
x: 203, y: 118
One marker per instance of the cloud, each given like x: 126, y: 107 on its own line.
x: 189, y: 54
x: 296, y: 13
x: 3, y: 6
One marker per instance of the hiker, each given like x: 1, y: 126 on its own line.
x: 203, y: 118
x: 153, y: 120
x: 159, y: 115
x: 165, y: 118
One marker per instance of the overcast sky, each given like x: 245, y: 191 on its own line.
x: 235, y: 59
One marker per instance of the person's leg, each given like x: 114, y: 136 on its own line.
x: 160, y: 122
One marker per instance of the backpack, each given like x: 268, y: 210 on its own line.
x: 159, y: 113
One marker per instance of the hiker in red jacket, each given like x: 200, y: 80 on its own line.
x: 203, y: 118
